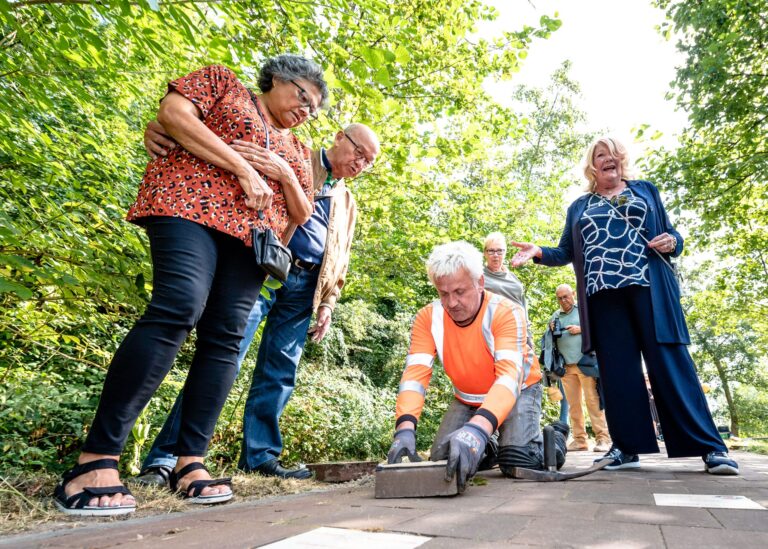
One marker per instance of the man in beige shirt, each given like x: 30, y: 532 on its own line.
x: 578, y: 379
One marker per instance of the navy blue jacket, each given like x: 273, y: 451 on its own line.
x: 665, y: 293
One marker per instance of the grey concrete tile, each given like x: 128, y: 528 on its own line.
x: 652, y: 514
x: 470, y: 526
x: 742, y: 519
x: 544, y: 507
x: 682, y: 537
x: 475, y: 503
x: 454, y: 543
x: 571, y: 532
x: 638, y: 493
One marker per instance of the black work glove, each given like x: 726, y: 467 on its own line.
x: 466, y: 448
x: 403, y: 445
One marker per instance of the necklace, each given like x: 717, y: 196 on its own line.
x: 612, y: 193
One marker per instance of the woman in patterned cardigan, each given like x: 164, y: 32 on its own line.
x: 620, y: 241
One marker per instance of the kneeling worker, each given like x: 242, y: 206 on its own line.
x: 480, y: 339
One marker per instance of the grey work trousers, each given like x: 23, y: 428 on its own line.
x: 520, y: 438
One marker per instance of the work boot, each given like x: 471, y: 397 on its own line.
x: 273, y: 468
x: 561, y: 436
x: 491, y: 453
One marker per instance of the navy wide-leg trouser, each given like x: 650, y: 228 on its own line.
x: 203, y: 279
x: 622, y: 327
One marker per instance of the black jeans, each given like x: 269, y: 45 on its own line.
x: 202, y: 279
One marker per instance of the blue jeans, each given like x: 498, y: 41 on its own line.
x: 564, y: 406
x: 288, y: 311
x: 520, y: 428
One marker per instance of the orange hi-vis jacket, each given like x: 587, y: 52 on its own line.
x: 489, y: 361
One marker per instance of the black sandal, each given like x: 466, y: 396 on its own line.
x: 197, y: 486
x: 77, y: 504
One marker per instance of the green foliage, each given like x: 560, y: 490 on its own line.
x: 335, y: 415
x: 717, y: 181
x: 728, y: 348
x: 720, y: 170
x: 752, y: 403
x: 344, y: 403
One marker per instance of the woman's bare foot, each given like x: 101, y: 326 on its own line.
x: 199, y: 474
x: 97, y: 479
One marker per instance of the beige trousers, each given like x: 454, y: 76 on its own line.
x: 574, y: 383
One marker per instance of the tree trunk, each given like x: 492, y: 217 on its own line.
x: 728, y: 397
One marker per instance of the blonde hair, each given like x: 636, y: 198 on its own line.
x: 449, y: 259
x: 616, y: 149
x: 494, y: 237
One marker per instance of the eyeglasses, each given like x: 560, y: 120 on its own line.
x: 563, y: 298
x: 359, y: 154
x: 305, y: 101
x: 496, y: 251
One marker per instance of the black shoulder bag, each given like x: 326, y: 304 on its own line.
x: 274, y: 258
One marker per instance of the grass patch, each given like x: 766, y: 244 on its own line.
x: 749, y: 445
x: 26, y: 502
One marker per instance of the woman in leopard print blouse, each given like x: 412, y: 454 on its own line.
x: 198, y: 205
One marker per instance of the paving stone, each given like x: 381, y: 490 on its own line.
x: 335, y: 538
x: 682, y: 537
x: 472, y: 503
x: 542, y: 507
x: 408, y: 480
x: 375, y: 518
x: 342, y: 471
x: 617, y: 493
x: 742, y: 519
x: 458, y: 543
x: 652, y: 514
x: 470, y: 526
x: 571, y: 532
x: 606, y: 509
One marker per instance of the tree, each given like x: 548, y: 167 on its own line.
x: 720, y: 171
x: 514, y: 183
x: 717, y: 179
x: 726, y: 343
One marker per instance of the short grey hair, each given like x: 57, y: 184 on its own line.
x: 289, y: 67
x: 564, y: 287
x: 494, y: 237
x: 449, y: 259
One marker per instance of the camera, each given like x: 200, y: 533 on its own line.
x: 557, y: 328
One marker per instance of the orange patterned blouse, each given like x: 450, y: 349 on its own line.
x: 182, y: 185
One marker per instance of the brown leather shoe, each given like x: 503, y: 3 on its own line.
x: 602, y: 446
x: 576, y: 446
x: 274, y: 468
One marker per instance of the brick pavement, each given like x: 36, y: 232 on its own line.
x: 606, y: 509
